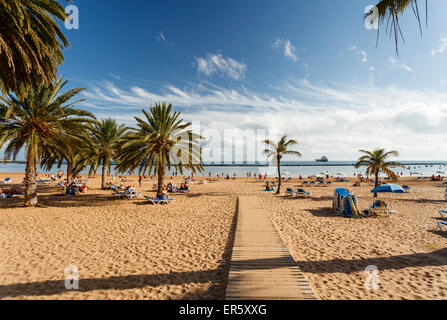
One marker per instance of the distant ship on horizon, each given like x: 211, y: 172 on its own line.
x: 322, y: 159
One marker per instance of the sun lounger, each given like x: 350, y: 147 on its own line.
x: 159, y: 200
x: 442, y: 225
x: 443, y: 213
x: 290, y: 192
x: 6, y: 195
x: 177, y: 190
x: 380, y: 207
x: 6, y: 181
x: 302, y: 193
x: 407, y: 188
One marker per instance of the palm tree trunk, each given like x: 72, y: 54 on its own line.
x: 69, y: 172
x: 161, y: 178
x: 104, y: 172
x: 30, y: 181
x: 376, y: 184
x: 279, y: 176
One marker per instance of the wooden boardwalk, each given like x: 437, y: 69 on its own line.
x: 261, y: 265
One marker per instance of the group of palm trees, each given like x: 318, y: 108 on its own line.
x: 53, y: 132
x: 376, y: 161
x: 36, y: 116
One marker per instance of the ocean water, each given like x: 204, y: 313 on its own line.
x: 288, y: 169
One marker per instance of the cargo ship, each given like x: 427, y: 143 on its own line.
x: 322, y: 159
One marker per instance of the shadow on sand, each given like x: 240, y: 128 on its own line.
x: 218, y: 277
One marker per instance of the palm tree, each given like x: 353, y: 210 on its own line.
x: 277, y: 151
x: 40, y: 122
x: 31, y: 44
x: 105, y: 137
x: 390, y: 10
x: 70, y: 152
x: 376, y: 161
x: 160, y: 140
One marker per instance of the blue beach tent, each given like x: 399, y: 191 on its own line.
x: 345, y: 203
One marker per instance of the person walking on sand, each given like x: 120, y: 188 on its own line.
x: 140, y: 178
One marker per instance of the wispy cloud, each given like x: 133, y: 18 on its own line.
x: 397, y: 64
x: 354, y: 117
x: 442, y: 46
x: 216, y: 63
x: 361, y: 52
x: 288, y: 48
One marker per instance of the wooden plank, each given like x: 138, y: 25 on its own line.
x: 261, y: 265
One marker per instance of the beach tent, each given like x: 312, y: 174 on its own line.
x: 345, y: 203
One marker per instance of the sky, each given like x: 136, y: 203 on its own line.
x: 308, y: 69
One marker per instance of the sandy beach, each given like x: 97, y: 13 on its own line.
x: 129, y: 249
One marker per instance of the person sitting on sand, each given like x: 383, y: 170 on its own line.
x: 267, y: 187
x: 83, y: 188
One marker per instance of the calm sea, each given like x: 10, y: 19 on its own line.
x: 292, y: 169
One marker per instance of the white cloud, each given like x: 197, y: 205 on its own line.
x: 397, y: 64
x: 336, y: 120
x: 442, y: 46
x: 288, y: 47
x: 216, y: 63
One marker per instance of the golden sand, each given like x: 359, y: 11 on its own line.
x: 129, y: 249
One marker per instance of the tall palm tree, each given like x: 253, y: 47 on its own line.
x: 39, y: 122
x: 105, y: 137
x: 160, y: 140
x: 276, y: 151
x: 389, y: 11
x: 376, y: 162
x: 31, y: 44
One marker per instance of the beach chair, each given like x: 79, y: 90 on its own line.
x: 290, y: 192
x: 407, y: 188
x: 328, y: 183
x: 379, y: 207
x: 442, y: 214
x: 321, y: 184
x: 302, y: 193
x: 6, y: 195
x: 177, y: 190
x: 159, y: 200
x: 6, y: 181
x: 442, y: 225
x: 312, y: 183
x: 118, y: 194
x: 130, y: 194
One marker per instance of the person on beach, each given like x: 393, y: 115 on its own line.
x: 267, y: 187
x: 164, y: 194
x: 140, y: 178
x: 83, y: 188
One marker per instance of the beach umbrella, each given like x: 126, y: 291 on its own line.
x: 389, y: 188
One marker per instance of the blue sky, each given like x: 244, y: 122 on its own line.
x: 309, y: 69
